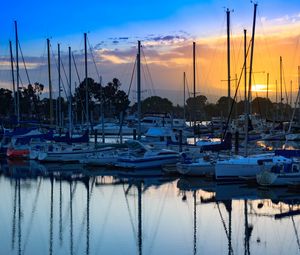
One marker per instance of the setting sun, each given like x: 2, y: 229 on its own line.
x: 259, y: 88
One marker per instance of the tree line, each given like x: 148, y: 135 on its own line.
x: 111, y: 100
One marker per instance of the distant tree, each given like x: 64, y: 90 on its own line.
x: 223, y: 105
x: 196, y: 106
x: 262, y: 106
x: 156, y: 104
x: 29, y: 99
x: 111, y: 97
x: 6, y: 102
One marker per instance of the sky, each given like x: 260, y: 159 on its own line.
x: 166, y: 30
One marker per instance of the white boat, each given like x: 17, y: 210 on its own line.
x: 160, y: 121
x: 105, y: 156
x: 201, y: 167
x: 240, y: 167
x: 162, y: 137
x: 55, y: 152
x: 141, y: 156
x: 280, y: 174
x: 114, y: 129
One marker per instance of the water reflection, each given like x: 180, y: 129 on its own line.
x: 68, y: 209
x: 273, y: 203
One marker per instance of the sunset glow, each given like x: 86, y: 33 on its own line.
x: 259, y: 88
x: 166, y: 34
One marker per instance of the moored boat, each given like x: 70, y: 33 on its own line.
x: 141, y: 156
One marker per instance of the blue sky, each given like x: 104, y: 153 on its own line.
x: 64, y: 19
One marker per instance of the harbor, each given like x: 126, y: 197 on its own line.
x: 99, y: 156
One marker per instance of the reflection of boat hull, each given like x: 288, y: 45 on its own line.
x: 190, y: 184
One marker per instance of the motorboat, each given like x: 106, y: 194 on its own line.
x: 141, y: 156
x: 281, y: 173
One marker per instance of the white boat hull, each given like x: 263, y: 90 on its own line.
x: 70, y: 156
x: 239, y: 168
x: 267, y: 178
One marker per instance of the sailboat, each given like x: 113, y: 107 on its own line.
x: 241, y: 167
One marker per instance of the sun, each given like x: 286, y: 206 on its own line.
x: 259, y: 88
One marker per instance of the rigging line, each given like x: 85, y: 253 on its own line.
x: 93, y: 58
x: 265, y: 40
x: 145, y: 79
x: 205, y: 80
x: 258, y: 100
x: 76, y: 69
x: 20, y: 79
x: 62, y: 82
x: 187, y: 86
x: 77, y: 74
x: 296, y: 233
x: 62, y: 65
x: 284, y: 82
x: 65, y: 217
x: 149, y: 73
x: 43, y: 59
x: 132, y: 76
x: 24, y: 63
x: 224, y: 225
x: 85, y: 215
x: 223, y: 221
x: 130, y: 215
x: 235, y: 94
x: 105, y: 220
x: 159, y: 220
x: 32, y: 215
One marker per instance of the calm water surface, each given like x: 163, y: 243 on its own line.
x: 80, y: 211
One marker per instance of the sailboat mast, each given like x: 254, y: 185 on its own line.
x: 13, y: 76
x: 291, y: 94
x: 139, y: 88
x: 50, y: 84
x: 70, y: 93
x: 281, y: 98
x: 267, y: 110
x: 228, y: 53
x: 86, y: 80
x: 140, y: 244
x: 59, y: 87
x: 195, y: 222
x: 194, y: 87
x: 245, y: 68
x: 17, y: 67
x: 251, y: 56
x: 194, y: 70
x: 183, y: 95
x: 267, y: 85
x: 246, y: 105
